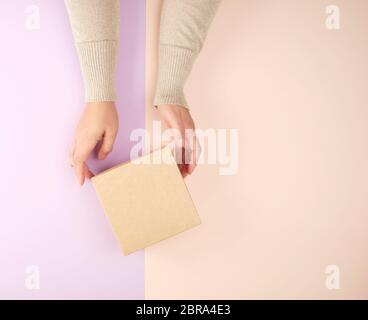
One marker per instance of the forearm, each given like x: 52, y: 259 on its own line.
x: 95, y: 26
x: 183, y: 30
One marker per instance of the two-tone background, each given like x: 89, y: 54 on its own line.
x: 292, y: 221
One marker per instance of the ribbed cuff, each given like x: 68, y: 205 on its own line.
x: 175, y: 64
x: 98, y: 61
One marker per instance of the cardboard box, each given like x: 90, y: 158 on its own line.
x: 146, y: 202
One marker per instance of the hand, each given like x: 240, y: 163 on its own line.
x: 98, y: 125
x: 179, y: 118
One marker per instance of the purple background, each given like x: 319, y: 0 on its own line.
x: 46, y: 218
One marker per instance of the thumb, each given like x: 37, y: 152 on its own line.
x: 106, y: 145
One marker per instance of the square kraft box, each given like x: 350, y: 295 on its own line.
x: 146, y: 200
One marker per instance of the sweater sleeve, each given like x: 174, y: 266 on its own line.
x: 183, y: 30
x: 95, y: 27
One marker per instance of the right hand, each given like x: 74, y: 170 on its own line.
x: 98, y: 125
x: 179, y: 118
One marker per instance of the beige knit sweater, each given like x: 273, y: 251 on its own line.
x: 95, y: 25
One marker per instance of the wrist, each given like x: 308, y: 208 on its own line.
x: 174, y: 67
x: 98, y: 60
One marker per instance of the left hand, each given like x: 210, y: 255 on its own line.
x: 179, y: 118
x: 98, y: 126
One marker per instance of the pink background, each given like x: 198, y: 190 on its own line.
x: 46, y: 218
x: 298, y: 94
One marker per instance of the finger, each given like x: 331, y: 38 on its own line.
x: 81, y: 154
x: 172, y: 138
x: 194, y: 156
x: 179, y: 141
x: 179, y: 151
x: 87, y: 172
x: 79, y: 171
x: 106, y: 145
x: 183, y: 170
x: 191, y: 150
